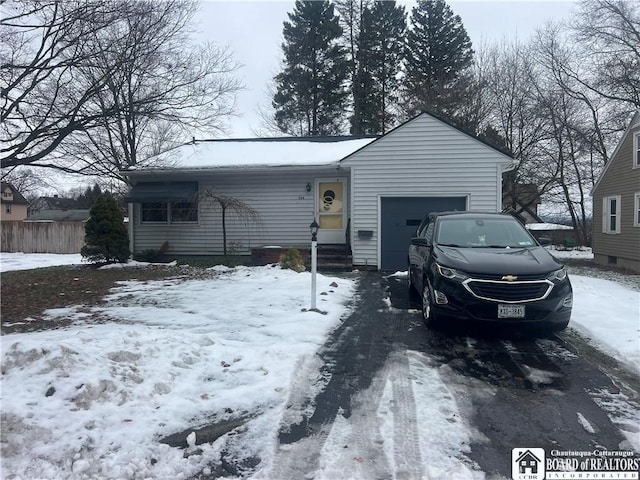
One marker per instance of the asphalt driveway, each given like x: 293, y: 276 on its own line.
x: 549, y: 391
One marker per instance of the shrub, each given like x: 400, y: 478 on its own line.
x: 151, y: 254
x: 106, y: 238
x: 292, y: 260
x: 569, y: 243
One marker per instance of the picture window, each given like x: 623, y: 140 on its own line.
x: 169, y: 212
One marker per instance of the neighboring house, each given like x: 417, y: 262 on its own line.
x: 14, y: 205
x: 523, y: 202
x: 368, y: 194
x: 616, y: 204
x: 53, y: 203
x: 80, y: 215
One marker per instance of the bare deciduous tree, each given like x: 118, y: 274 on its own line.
x: 146, y: 86
x: 28, y: 182
x: 41, y: 103
x: 609, y: 33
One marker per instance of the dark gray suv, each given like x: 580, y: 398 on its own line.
x: 486, y: 267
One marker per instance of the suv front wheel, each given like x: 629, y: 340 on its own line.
x: 427, y: 310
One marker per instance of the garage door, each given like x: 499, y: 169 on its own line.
x: 400, y: 217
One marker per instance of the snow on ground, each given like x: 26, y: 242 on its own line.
x: 93, y: 399
x: 27, y: 261
x: 584, y: 253
x: 607, y: 315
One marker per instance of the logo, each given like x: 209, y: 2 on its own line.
x: 527, y: 463
x: 509, y: 278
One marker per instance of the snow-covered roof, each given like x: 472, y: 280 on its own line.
x: 268, y: 152
x: 547, y: 226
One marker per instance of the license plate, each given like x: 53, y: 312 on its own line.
x: 510, y: 311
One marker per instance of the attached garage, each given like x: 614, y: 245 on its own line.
x: 399, y: 218
x: 423, y: 165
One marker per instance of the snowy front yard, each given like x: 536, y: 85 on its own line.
x: 94, y: 399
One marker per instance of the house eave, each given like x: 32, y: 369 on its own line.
x: 228, y: 169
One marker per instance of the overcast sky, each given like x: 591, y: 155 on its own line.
x: 253, y: 32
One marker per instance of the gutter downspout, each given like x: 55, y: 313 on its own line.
x: 130, y: 228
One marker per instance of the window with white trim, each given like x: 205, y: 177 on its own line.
x: 611, y: 214
x: 636, y: 150
x: 636, y: 209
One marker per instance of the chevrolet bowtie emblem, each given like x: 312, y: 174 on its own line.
x: 509, y: 278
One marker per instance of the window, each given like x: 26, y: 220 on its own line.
x: 169, y: 212
x: 611, y: 214
x: 636, y: 209
x: 636, y: 150
x: 7, y: 208
x: 155, y: 212
x: 184, y: 212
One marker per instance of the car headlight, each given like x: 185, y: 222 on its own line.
x: 451, y: 273
x: 558, y: 275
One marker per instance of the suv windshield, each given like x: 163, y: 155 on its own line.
x: 499, y: 232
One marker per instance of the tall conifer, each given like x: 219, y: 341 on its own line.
x: 311, y: 93
x: 379, y: 60
x: 438, y: 59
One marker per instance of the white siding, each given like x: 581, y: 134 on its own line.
x: 280, y: 197
x: 424, y: 157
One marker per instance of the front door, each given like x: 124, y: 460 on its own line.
x: 331, y: 210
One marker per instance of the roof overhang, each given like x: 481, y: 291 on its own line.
x: 161, y: 192
x: 173, y: 172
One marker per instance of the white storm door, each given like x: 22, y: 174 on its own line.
x: 331, y: 210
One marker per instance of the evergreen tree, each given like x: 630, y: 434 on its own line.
x: 310, y: 93
x: 379, y: 58
x: 90, y: 195
x: 106, y: 237
x: 438, y: 60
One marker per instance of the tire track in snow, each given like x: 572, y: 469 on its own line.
x: 406, y: 439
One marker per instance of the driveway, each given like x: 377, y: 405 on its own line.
x: 397, y: 400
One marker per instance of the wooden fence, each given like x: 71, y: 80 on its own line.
x: 42, y: 237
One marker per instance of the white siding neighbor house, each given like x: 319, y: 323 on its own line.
x: 367, y: 194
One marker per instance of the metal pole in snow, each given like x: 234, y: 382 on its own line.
x: 314, y: 269
x: 314, y: 260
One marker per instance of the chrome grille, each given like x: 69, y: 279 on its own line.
x: 508, y: 292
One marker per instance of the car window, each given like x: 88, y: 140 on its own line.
x: 428, y: 234
x: 422, y: 228
x: 499, y: 232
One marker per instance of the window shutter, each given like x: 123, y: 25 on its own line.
x: 605, y: 214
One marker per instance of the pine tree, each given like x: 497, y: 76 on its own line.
x: 310, y: 96
x: 106, y: 237
x: 379, y: 58
x: 86, y: 199
x: 438, y: 58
